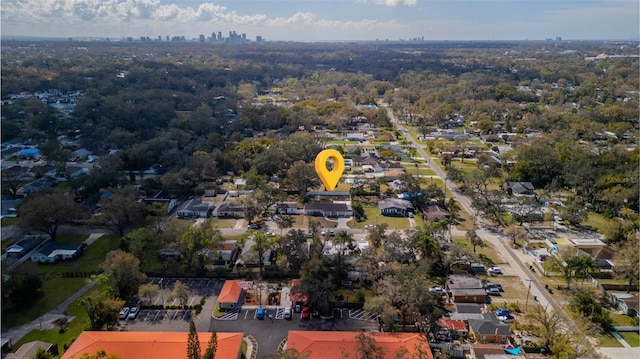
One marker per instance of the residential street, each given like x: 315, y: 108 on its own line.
x: 516, y: 259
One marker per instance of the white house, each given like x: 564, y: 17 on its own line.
x: 194, y: 208
x: 53, y: 252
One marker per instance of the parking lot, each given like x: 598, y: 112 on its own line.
x: 173, y: 319
x: 198, y: 288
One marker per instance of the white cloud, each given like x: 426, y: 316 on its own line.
x: 390, y: 3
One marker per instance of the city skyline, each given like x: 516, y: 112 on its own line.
x: 325, y: 20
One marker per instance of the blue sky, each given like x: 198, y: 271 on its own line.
x: 326, y: 20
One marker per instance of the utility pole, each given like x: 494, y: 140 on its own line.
x: 528, y: 290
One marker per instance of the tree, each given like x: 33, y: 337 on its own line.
x: 25, y: 286
x: 284, y: 222
x: 212, y: 347
x: 574, y: 210
x: 261, y: 244
x: 41, y: 353
x: 294, y: 249
x: 196, y: 242
x: 626, y: 261
x: 367, y: 348
x: 121, y: 210
x: 584, y: 302
x: 123, y: 271
x: 180, y: 292
x: 148, y: 291
x: 474, y: 239
x: 345, y: 241
x: 250, y: 207
x: 301, y: 176
x: 193, y: 342
x: 289, y: 354
x: 103, y: 312
x: 549, y: 324
x: 46, y: 211
x: 139, y: 241
x: 101, y: 354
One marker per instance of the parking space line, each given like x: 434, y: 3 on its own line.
x: 246, y: 313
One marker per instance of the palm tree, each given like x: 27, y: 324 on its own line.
x: 472, y: 236
x: 454, y: 208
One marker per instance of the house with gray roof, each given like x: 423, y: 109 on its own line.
x: 335, y: 209
x: 395, y: 207
x: 54, y: 251
x: 194, y: 208
x: 519, y: 189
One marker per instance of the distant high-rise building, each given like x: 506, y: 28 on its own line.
x: 558, y: 38
x: 244, y: 36
x: 159, y: 37
x: 213, y: 36
x: 201, y: 38
x: 168, y: 38
x: 258, y: 38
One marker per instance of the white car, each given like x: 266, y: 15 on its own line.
x: 506, y: 318
x: 124, y: 313
x: 495, y: 270
x: 287, y: 313
x: 437, y: 289
x: 133, y: 313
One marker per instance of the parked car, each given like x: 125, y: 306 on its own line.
x: 254, y: 226
x: 506, y: 318
x: 133, y: 313
x: 437, y: 289
x: 305, y: 313
x: 495, y: 270
x: 260, y: 313
x: 493, y: 291
x: 124, y: 313
x: 287, y: 313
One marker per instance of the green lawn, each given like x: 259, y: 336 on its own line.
x: 607, y: 340
x: 56, y: 290
x: 74, y: 328
x: 374, y: 217
x: 597, y: 221
x: 487, y: 249
x: 632, y: 338
x: 57, y: 287
x: 622, y: 320
x: 8, y: 221
x: 71, y: 238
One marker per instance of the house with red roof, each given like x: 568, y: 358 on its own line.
x: 330, y: 344
x: 152, y: 345
x: 231, y: 295
x: 456, y: 328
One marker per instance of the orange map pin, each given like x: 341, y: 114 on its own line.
x: 329, y: 178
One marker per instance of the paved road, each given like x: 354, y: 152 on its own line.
x: 489, y: 233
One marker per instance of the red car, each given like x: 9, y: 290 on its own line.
x: 305, y: 313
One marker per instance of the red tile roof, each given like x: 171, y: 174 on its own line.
x: 322, y: 345
x: 153, y: 345
x: 230, y: 292
x: 452, y: 324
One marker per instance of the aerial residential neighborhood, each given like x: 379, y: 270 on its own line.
x: 160, y: 200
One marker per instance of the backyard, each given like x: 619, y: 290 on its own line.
x: 60, y: 280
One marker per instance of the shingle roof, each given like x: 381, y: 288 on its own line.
x: 333, y: 344
x: 326, y: 207
x: 156, y: 345
x: 395, y: 202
